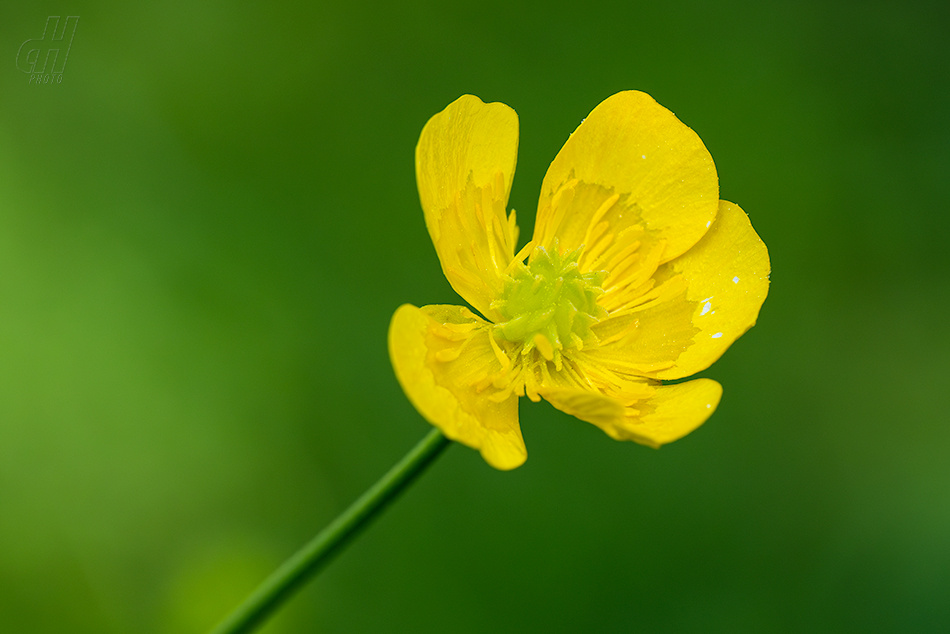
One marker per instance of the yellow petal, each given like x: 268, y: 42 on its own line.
x: 727, y: 277
x: 445, y: 363
x: 587, y: 405
x: 634, y: 185
x: 674, y: 411
x: 643, y: 412
x: 465, y: 161
x: 704, y: 300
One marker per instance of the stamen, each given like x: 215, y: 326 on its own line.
x: 501, y: 356
x: 513, y: 230
x: 598, y: 250
x: 560, y: 203
x: 625, y: 331
x: 519, y: 259
x: 598, y: 215
x: 544, y: 346
x: 449, y: 354
x: 623, y: 255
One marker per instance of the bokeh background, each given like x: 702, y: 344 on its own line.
x: 205, y: 228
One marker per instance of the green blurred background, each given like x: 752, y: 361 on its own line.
x: 205, y: 228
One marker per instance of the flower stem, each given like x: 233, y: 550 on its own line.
x: 307, y: 561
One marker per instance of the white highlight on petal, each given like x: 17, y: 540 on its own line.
x: 705, y: 309
x: 735, y: 280
x: 708, y: 222
x: 643, y: 156
x: 717, y: 335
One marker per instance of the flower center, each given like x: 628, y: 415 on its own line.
x: 549, y: 305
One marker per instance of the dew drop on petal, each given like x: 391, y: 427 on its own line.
x: 706, y: 308
x: 735, y: 280
x: 717, y: 335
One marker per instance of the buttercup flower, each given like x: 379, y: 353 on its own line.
x: 637, y: 273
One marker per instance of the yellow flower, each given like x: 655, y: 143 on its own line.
x: 636, y: 273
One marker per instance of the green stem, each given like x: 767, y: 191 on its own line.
x: 294, y: 572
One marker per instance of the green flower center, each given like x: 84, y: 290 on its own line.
x: 549, y: 304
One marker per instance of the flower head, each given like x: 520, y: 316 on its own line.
x: 636, y: 273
